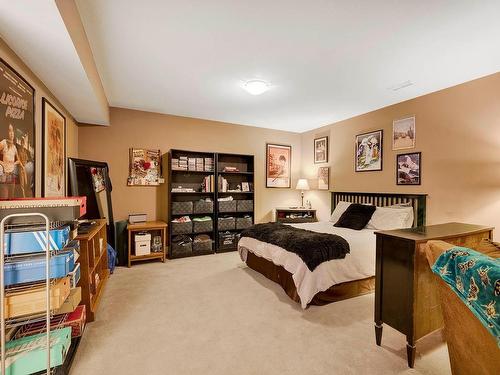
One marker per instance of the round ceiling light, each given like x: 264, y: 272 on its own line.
x: 256, y: 86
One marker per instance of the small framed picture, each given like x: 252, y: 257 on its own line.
x: 323, y: 178
x: 403, y: 133
x: 409, y: 170
x: 368, y: 152
x: 321, y: 150
x: 245, y: 186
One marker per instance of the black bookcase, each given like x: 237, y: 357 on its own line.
x: 182, y: 203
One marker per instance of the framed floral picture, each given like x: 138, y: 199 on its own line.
x: 368, y: 151
x: 278, y: 166
x: 403, y: 133
x: 17, y: 135
x: 321, y: 150
x: 54, y: 151
x: 323, y: 178
x: 409, y: 170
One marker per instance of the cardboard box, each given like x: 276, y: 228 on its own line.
x: 72, y: 302
x: 32, y: 300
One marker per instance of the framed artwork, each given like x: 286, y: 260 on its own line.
x: 97, y: 179
x: 17, y: 135
x: 144, y: 167
x: 368, y: 151
x: 321, y: 150
x: 54, y: 151
x: 403, y: 133
x: 323, y: 178
x: 409, y: 169
x: 278, y: 166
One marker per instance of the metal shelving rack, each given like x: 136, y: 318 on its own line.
x: 26, y: 319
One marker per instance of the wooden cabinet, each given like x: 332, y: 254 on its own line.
x: 94, y: 271
x: 405, y: 295
x: 294, y: 215
x: 155, y: 228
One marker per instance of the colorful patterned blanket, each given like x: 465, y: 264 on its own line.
x: 475, y: 278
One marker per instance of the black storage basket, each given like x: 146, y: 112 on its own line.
x: 202, y: 246
x: 226, y: 223
x: 243, y: 222
x: 181, y: 249
x: 182, y: 208
x: 202, y: 207
x: 227, y: 206
x: 244, y: 205
x: 228, y: 241
x: 203, y: 226
x: 182, y: 228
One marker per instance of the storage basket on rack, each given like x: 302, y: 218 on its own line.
x: 243, y: 222
x: 244, y: 205
x: 182, y: 208
x: 228, y: 240
x: 203, y: 226
x: 203, y: 207
x: 227, y: 206
x: 181, y: 246
x: 182, y: 228
x: 226, y: 223
x: 202, y: 246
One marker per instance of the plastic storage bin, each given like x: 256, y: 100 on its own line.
x: 182, y: 208
x: 227, y: 206
x: 202, y: 207
x: 182, y: 228
x: 244, y: 205
x: 243, y: 222
x: 226, y: 223
x: 34, y: 241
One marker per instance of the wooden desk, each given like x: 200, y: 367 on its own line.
x: 281, y: 215
x: 405, y: 296
x: 94, y: 271
x: 148, y: 226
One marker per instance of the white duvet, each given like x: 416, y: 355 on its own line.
x: 358, y: 264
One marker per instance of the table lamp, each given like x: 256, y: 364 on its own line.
x: 302, y: 185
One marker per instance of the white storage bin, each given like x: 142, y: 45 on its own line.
x: 142, y: 244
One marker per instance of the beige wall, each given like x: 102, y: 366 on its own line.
x: 458, y: 133
x: 41, y: 91
x: 130, y: 128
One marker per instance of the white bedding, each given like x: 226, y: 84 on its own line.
x: 358, y: 264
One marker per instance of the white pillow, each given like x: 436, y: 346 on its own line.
x: 387, y: 218
x: 339, y: 210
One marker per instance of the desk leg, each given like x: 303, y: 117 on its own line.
x: 410, y: 353
x: 378, y: 333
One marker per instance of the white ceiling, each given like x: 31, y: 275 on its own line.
x: 328, y: 60
x: 37, y: 34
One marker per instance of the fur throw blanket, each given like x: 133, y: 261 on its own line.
x: 312, y: 247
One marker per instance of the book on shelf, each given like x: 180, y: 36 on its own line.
x: 208, y: 184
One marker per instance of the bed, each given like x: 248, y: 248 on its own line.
x: 335, y: 279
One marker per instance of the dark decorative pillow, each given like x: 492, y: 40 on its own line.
x: 356, y: 216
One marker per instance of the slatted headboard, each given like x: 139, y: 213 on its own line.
x: 417, y: 201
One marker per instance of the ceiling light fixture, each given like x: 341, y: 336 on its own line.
x: 256, y: 86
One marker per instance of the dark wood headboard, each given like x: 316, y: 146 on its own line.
x: 417, y: 201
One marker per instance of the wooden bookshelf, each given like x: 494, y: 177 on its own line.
x: 155, y: 228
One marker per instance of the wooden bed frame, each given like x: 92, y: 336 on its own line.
x: 349, y: 289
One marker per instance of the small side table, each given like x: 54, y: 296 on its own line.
x: 295, y: 215
x: 155, y: 228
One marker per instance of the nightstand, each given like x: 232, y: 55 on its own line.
x: 154, y: 229
x: 405, y: 295
x: 294, y: 215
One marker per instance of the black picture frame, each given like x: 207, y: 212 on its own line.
x: 32, y: 158
x: 289, y: 162
x: 316, y: 141
x: 380, y: 134
x: 398, y: 171
x: 81, y: 184
x: 46, y: 104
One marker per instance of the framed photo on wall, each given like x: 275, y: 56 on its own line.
x: 17, y: 135
x: 409, y: 169
x: 54, y: 151
x: 368, y: 151
x: 278, y: 166
x: 321, y: 150
x: 403, y: 133
x: 323, y: 178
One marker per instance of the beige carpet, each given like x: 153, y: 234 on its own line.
x: 212, y: 315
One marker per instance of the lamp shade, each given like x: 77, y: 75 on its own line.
x: 302, y: 184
